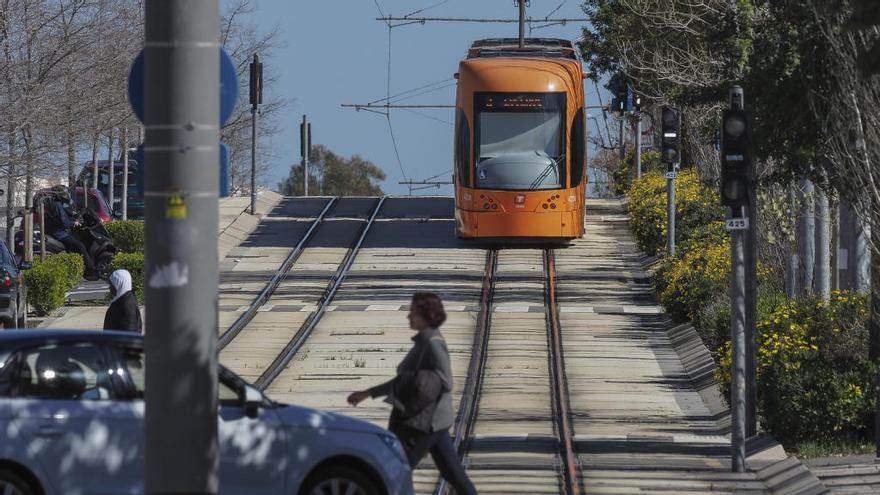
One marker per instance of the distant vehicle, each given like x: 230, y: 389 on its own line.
x: 135, y: 202
x: 67, y: 425
x: 97, y: 203
x: 520, y: 141
x: 12, y: 301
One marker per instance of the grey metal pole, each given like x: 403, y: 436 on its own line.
x: 254, y: 159
x: 806, y: 234
x: 835, y: 243
x: 304, y: 150
x: 181, y: 67
x: 522, y: 23
x: 670, y: 215
x: 791, y: 268
x: 638, y: 145
x: 622, y: 140
x: 111, y: 172
x: 94, y: 171
x: 823, y: 246
x: 738, y: 339
x: 861, y: 255
x: 29, y: 232
x: 125, y: 173
x: 737, y: 102
x: 42, y: 229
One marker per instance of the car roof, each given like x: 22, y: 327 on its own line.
x: 24, y: 337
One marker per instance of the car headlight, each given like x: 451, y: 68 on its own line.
x: 394, y: 446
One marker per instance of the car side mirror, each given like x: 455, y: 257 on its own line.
x: 252, y: 400
x: 25, y: 265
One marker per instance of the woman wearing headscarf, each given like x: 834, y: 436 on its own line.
x: 123, y: 313
x: 421, y: 394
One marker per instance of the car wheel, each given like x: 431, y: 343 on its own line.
x: 340, y: 480
x: 13, y: 484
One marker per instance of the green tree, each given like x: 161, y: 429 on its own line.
x: 334, y: 175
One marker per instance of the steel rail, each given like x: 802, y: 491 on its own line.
x: 299, y: 338
x: 470, y: 397
x: 559, y: 387
x: 274, y: 282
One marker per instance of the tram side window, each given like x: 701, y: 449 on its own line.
x: 462, y: 149
x: 578, y: 149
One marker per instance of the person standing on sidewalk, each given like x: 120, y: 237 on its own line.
x: 421, y: 395
x: 123, y: 313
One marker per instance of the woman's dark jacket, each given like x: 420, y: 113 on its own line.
x: 420, y: 393
x: 123, y: 314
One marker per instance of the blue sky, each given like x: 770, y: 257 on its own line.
x: 335, y: 52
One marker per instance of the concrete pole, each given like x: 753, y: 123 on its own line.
x: 112, y: 172
x: 125, y: 173
x: 29, y: 231
x: 622, y: 140
x: 305, y: 144
x: 806, y: 237
x: 638, y: 140
x: 738, y: 362
x: 181, y: 67
x: 861, y: 256
x: 823, y: 246
x: 791, y: 272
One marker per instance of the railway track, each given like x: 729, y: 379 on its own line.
x: 270, y: 330
x: 514, y: 425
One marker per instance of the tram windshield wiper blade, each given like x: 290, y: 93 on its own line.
x: 553, y: 165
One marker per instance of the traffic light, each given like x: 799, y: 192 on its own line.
x: 735, y: 158
x: 256, y: 81
x: 670, y: 149
x: 622, y: 95
x: 637, y: 102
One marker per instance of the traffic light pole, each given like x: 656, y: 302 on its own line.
x: 638, y: 146
x: 256, y: 98
x: 305, y: 136
x: 670, y: 211
x: 738, y: 340
x: 181, y: 101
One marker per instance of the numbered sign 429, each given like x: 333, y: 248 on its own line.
x: 732, y: 224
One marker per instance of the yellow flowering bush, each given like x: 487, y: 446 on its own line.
x: 814, y: 376
x: 695, y: 205
x: 686, y: 283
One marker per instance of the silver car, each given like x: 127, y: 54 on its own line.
x: 72, y: 414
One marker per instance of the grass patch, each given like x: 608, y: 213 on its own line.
x: 834, y: 448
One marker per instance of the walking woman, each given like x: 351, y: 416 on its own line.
x: 421, y: 394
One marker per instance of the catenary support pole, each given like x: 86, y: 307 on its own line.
x: 622, y: 140
x: 806, y: 237
x: 28, y: 225
x: 637, y: 156
x: 254, y: 113
x: 522, y: 23
x: 181, y: 67
x: 791, y: 269
x: 738, y: 339
x: 861, y: 255
x: 823, y: 246
x: 125, y: 173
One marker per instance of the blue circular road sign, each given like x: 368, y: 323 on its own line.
x: 228, y: 86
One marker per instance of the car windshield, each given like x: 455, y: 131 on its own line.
x: 520, y: 141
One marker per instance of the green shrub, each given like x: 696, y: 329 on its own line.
x: 621, y: 179
x: 46, y: 285
x: 815, y: 381
x: 134, y: 263
x: 73, y: 265
x: 127, y: 235
x: 687, y: 283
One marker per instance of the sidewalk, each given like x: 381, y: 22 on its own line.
x: 235, y: 224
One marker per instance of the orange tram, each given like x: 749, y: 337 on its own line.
x: 520, y: 141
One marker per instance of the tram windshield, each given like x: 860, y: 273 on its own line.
x: 521, y: 141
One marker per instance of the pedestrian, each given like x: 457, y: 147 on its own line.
x: 123, y: 313
x: 58, y: 223
x: 420, y: 394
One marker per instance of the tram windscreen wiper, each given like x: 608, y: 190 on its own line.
x: 551, y: 167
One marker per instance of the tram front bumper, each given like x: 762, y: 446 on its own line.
x: 550, y: 224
